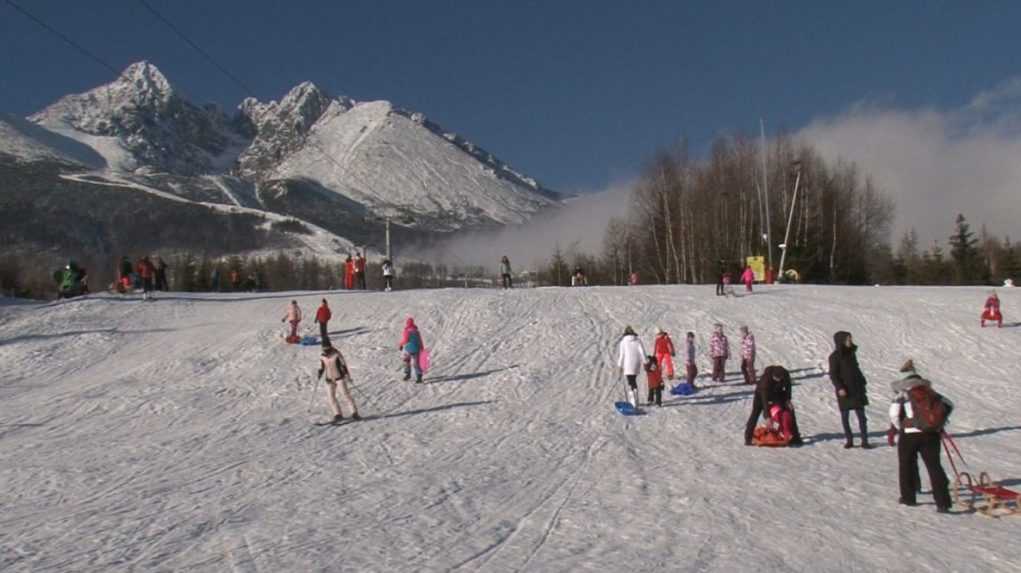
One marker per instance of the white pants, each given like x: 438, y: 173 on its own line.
x: 345, y: 396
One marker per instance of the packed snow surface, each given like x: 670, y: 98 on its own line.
x: 175, y: 435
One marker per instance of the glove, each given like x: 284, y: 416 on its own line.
x: 891, y: 436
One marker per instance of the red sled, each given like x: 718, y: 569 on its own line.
x: 767, y: 437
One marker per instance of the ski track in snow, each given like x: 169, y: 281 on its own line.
x: 174, y: 435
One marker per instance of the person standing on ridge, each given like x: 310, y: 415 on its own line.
x: 360, y: 270
x: 388, y: 275
x: 505, y: 272
x: 332, y: 363
x: 147, y: 273
x: 720, y: 270
x: 323, y: 316
x: 719, y: 351
x: 849, y: 383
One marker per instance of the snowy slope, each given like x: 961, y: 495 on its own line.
x: 27, y: 141
x: 174, y: 436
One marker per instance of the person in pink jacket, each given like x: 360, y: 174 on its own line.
x: 748, y: 277
x: 293, y: 316
x: 991, y: 311
x: 748, y: 355
x: 412, y: 347
x: 719, y: 351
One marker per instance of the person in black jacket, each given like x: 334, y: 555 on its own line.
x: 849, y: 383
x: 720, y: 269
x: 773, y: 388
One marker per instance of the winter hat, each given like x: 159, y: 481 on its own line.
x: 744, y: 329
x: 629, y: 331
x: 660, y: 330
x: 908, y: 367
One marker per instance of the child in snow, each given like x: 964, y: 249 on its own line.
x: 293, y: 316
x: 323, y: 316
x: 388, y: 275
x: 654, y: 378
x: 991, y: 311
x: 337, y: 374
x: 747, y: 355
x: 412, y: 347
x: 719, y: 351
x: 664, y: 353
x: 689, y: 360
x: 630, y: 359
x: 748, y: 277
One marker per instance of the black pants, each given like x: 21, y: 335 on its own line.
x: 324, y: 336
x: 719, y: 286
x: 360, y: 279
x: 845, y: 420
x: 388, y: 282
x: 507, y: 282
x: 656, y: 395
x: 748, y: 371
x: 908, y: 448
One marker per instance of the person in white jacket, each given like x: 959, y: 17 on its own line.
x: 630, y: 360
x: 913, y: 440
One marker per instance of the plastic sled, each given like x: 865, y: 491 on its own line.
x: 684, y: 389
x: 627, y: 409
x: 769, y: 438
x: 309, y: 341
x: 424, y: 361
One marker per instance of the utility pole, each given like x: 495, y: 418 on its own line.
x: 790, y: 218
x: 388, y: 253
x: 765, y: 190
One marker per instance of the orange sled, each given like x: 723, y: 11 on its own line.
x: 769, y: 438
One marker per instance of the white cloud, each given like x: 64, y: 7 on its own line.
x: 937, y: 163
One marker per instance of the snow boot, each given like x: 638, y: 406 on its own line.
x: 355, y: 417
x: 338, y: 418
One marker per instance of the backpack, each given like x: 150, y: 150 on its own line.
x: 929, y: 409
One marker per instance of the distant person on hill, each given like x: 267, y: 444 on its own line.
x: 160, y: 268
x: 360, y: 270
x: 690, y: 367
x: 748, y: 278
x: 235, y: 280
x: 388, y: 275
x: 332, y: 363
x: 773, y: 400
x: 991, y: 311
x: 293, y: 317
x: 349, y: 273
x: 654, y: 380
x: 917, y: 417
x: 664, y: 349
x: 630, y: 360
x: 124, y: 275
x: 323, y: 316
x: 747, y: 355
x: 147, y: 272
x: 505, y: 272
x: 849, y: 383
x: 721, y: 268
x: 411, y: 347
x: 719, y: 351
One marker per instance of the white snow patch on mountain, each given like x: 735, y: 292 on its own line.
x: 25, y: 140
x: 176, y: 435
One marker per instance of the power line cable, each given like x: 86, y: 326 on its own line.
x: 58, y: 34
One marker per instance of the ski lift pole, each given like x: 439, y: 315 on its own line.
x: 790, y: 218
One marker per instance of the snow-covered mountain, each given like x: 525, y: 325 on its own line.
x: 370, y: 156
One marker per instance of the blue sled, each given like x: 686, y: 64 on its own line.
x: 627, y: 409
x: 684, y: 389
x: 309, y: 341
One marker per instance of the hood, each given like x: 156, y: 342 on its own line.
x: 410, y: 323
x: 840, y: 340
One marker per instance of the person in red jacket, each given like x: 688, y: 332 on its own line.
x: 360, y: 270
x: 147, y: 271
x: 991, y: 311
x: 664, y: 353
x: 323, y: 316
x: 654, y: 379
x: 349, y: 273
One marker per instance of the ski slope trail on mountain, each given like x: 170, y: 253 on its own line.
x: 175, y: 435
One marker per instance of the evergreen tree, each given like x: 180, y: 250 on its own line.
x: 558, y: 267
x: 908, y: 264
x: 964, y: 251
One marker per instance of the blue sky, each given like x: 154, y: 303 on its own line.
x: 577, y: 94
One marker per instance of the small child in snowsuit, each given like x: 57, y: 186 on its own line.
x: 719, y: 351
x: 654, y: 379
x: 665, y: 353
x: 691, y: 370
x: 991, y: 311
x: 748, y: 355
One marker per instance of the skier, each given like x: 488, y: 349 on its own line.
x: 747, y: 355
x: 360, y: 270
x: 630, y: 358
x: 917, y: 417
x: 991, y: 311
x: 293, y: 316
x: 147, y: 272
x: 774, y: 389
x: 849, y: 383
x: 388, y: 275
x: 323, y: 316
x: 654, y: 380
x: 719, y: 351
x: 412, y: 347
x: 691, y: 369
x: 337, y: 374
x: 748, y: 277
x: 665, y: 352
x: 505, y: 272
